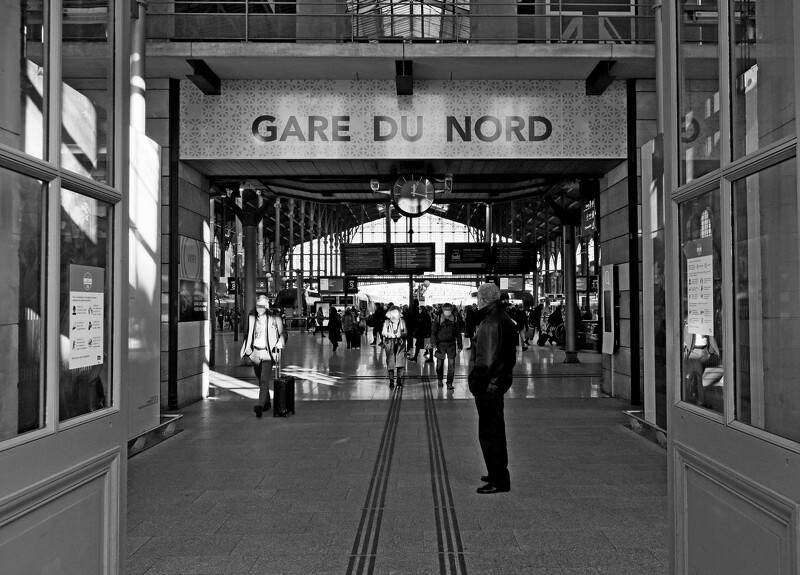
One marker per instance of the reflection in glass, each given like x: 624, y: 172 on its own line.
x: 85, y: 280
x: 23, y: 95
x: 698, y: 99
x: 767, y: 282
x: 22, y: 400
x: 87, y: 94
x: 701, y: 301
x: 763, y: 69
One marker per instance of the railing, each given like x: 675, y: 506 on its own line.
x: 410, y: 21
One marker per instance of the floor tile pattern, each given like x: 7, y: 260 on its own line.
x: 232, y: 494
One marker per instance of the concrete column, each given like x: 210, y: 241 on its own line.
x: 278, y: 259
x: 570, y: 321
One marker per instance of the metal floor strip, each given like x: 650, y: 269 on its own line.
x: 365, y: 545
x: 450, y: 547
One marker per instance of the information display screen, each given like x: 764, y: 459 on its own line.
x: 467, y: 257
x: 412, y: 258
x: 329, y: 285
x: 512, y: 284
x: 514, y: 258
x: 364, y: 259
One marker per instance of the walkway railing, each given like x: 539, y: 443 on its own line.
x: 414, y: 21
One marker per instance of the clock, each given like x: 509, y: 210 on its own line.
x: 413, y: 196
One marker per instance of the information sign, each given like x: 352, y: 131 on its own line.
x: 86, y: 301
x: 351, y: 284
x: 331, y: 285
x: 231, y: 286
x: 467, y: 257
x: 514, y: 258
x: 364, y: 259
x: 588, y: 219
x: 261, y: 285
x: 412, y: 258
x: 699, y: 286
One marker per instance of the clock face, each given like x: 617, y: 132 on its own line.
x: 413, y: 196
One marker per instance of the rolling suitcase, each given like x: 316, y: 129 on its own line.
x: 283, y: 400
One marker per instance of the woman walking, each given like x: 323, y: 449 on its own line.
x: 394, y: 337
x: 263, y: 344
x: 334, y: 328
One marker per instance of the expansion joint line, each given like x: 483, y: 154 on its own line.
x: 365, y: 546
x: 450, y: 546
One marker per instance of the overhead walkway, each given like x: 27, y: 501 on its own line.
x: 387, y: 485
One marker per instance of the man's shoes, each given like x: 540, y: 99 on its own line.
x: 493, y: 488
x: 440, y: 383
x: 524, y: 348
x: 259, y: 411
x: 400, y: 382
x: 391, y: 383
x: 450, y: 387
x: 486, y: 479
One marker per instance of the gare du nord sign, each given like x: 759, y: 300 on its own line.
x: 344, y: 119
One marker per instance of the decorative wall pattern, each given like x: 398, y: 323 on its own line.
x: 508, y: 119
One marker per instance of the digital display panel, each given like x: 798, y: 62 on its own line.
x: 364, y: 259
x: 467, y: 257
x: 329, y: 285
x: 413, y: 258
x: 512, y: 284
x: 514, y: 258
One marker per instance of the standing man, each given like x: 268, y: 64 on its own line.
x: 490, y: 368
x: 446, y: 340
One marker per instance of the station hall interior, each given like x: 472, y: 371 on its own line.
x: 631, y: 163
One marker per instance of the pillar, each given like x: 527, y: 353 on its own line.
x: 311, y: 213
x: 319, y: 240
x: 489, y: 223
x: 570, y: 321
x: 277, y: 259
x: 302, y: 274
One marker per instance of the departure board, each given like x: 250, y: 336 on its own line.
x: 412, y: 258
x: 467, y: 257
x: 364, y: 259
x: 514, y: 258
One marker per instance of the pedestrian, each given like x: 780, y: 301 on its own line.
x: 263, y: 344
x: 470, y: 313
x: 320, y: 320
x: 379, y: 316
x: 348, y: 328
x: 490, y: 367
x: 534, y: 320
x: 334, y: 328
x: 446, y: 341
x: 422, y: 332
x: 411, y: 317
x: 394, y: 338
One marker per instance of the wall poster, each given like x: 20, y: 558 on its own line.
x: 86, y: 293
x: 193, y: 290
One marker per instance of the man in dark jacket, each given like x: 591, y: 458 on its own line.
x: 490, y: 368
x: 446, y: 340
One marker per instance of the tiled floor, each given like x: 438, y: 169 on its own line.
x: 387, y: 484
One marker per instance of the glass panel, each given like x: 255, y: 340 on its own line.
x: 87, y: 88
x: 701, y: 305
x: 22, y: 64
x: 763, y: 70
x: 22, y: 398
x: 698, y: 100
x: 766, y: 267
x: 85, y: 313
